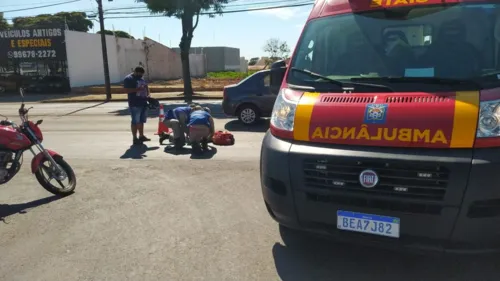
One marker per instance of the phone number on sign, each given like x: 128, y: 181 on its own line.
x: 32, y: 54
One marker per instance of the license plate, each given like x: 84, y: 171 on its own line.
x: 366, y: 223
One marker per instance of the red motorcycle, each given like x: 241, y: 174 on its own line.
x: 47, y: 165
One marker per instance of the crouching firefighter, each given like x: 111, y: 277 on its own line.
x: 177, y: 119
x: 201, y: 128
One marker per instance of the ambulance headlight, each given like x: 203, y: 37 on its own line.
x: 489, y: 119
x: 283, y: 115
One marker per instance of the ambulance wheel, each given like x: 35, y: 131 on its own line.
x: 248, y: 114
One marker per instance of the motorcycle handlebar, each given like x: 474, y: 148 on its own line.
x: 23, y: 111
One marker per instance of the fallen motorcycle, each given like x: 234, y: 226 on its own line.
x: 47, y: 165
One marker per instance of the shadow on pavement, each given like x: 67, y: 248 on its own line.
x: 216, y: 109
x: 185, y: 151
x: 236, y: 126
x: 137, y: 151
x: 11, y: 209
x: 84, y: 108
x: 206, y: 154
x: 170, y: 149
x: 327, y: 260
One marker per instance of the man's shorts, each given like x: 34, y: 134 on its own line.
x: 198, y: 132
x: 138, y: 114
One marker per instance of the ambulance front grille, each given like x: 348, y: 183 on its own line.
x: 346, y: 99
x: 428, y: 182
x: 422, y: 99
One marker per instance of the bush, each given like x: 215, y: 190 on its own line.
x: 229, y: 74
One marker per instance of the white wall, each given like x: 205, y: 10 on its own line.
x: 164, y: 63
x: 197, y: 64
x: 243, y: 65
x: 85, y: 59
x: 130, y: 53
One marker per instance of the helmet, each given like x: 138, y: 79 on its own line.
x: 153, y: 103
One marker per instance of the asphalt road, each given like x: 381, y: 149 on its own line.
x: 147, y: 214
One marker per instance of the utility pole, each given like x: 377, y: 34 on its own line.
x: 104, y: 51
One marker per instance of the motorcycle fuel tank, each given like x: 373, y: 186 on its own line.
x: 10, y: 138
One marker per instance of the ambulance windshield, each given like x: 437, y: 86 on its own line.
x: 455, y: 42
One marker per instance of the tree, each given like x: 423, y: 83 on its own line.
x: 4, y: 25
x: 76, y: 21
x: 276, y: 49
x: 117, y: 33
x: 188, y: 11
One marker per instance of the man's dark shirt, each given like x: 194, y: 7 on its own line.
x: 135, y: 99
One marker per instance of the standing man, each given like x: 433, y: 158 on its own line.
x: 138, y: 94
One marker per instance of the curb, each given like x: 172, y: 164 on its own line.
x: 124, y: 100
x: 99, y: 91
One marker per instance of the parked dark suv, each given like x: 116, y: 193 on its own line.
x: 253, y: 97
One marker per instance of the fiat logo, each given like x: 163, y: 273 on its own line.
x: 368, y: 178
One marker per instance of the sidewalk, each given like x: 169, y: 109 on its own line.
x: 62, y: 98
x: 123, y: 97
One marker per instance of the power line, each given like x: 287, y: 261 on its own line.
x: 226, y: 6
x: 31, y: 4
x: 40, y: 7
x: 211, y: 13
x: 299, y: 2
x: 137, y: 13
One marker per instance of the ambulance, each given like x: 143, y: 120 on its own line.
x: 386, y: 129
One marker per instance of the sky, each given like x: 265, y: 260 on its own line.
x: 247, y: 31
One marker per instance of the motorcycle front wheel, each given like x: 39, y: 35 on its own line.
x: 48, y: 178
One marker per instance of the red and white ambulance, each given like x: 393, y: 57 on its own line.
x: 386, y: 129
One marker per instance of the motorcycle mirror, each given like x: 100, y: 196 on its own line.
x: 21, y: 92
x: 39, y: 122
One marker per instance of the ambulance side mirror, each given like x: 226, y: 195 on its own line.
x: 278, y: 70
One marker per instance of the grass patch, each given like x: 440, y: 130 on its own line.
x: 229, y: 74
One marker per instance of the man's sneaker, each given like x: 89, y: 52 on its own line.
x: 196, y: 148
x: 204, y: 144
x: 178, y: 143
x: 137, y: 141
x: 164, y: 137
x: 144, y: 138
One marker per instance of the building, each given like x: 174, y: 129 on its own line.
x: 218, y: 58
x: 159, y: 61
x: 74, y: 59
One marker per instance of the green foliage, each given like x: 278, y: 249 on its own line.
x: 187, y: 11
x: 230, y: 74
x: 117, y: 33
x: 277, y: 50
x: 178, y: 8
x: 107, y: 32
x: 123, y: 34
x: 4, y: 25
x: 76, y: 21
